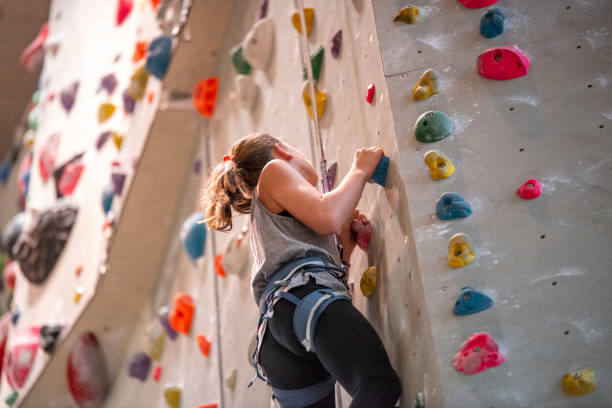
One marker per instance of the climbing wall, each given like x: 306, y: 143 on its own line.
x: 544, y: 262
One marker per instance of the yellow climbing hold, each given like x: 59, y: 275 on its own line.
x: 105, y: 111
x: 78, y: 293
x: 172, y: 395
x: 154, y: 340
x: 440, y: 166
x: 408, y: 14
x: 230, y: 380
x: 138, y: 83
x: 320, y: 97
x: 579, y: 382
x: 308, y: 16
x: 368, y: 281
x: 118, y: 140
x: 460, y: 251
x: 427, y: 85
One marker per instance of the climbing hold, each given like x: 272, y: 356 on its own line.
x: 172, y: 395
x: 236, y: 255
x: 85, y: 359
x: 531, y: 189
x: 11, y: 398
x: 203, y: 344
x: 428, y: 85
x: 336, y: 44
x: 78, y: 270
x: 477, y: 3
x: 124, y: 7
x: 138, y: 83
x: 193, y: 235
x: 105, y: 111
x: 451, y: 206
x: 107, y: 198
x: 502, y: 63
x: 368, y: 281
x: 205, y: 96
x: 362, y: 233
x: 78, y: 293
x: 181, y: 315
x: 579, y: 382
x: 41, y: 244
x: 320, y: 98
x: 246, y: 88
x: 129, y: 103
x: 48, y: 336
x: 460, y: 251
x: 492, y: 23
x: 11, y: 233
x: 163, y: 313
x: 478, y: 353
x: 419, y: 400
x: 118, y: 178
x: 68, y: 96
x: 108, y: 83
x: 159, y: 52
x: 15, y: 316
x: 140, y: 50
x: 22, y: 352
x: 157, y: 372
x: 139, y: 366
x: 117, y: 140
x: 150, y: 97
x: 211, y: 405
x: 316, y: 62
x: 408, y: 14
x: 296, y: 20
x: 370, y: 93
x: 440, y: 166
x: 240, y: 64
x: 5, y: 171
x: 380, y: 172
x: 153, y: 341
x: 330, y: 176
x: 433, y: 126
x: 70, y: 175
x: 471, y: 301
x: 218, y: 265
x: 258, y: 44
x: 263, y: 9
x: 10, y: 274
x: 230, y: 380
x: 33, y: 55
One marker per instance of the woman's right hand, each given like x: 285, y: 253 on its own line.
x: 366, y: 160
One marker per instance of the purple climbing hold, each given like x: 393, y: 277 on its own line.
x: 197, y: 167
x: 163, y: 318
x: 128, y: 102
x: 118, y: 180
x: 102, y: 139
x: 68, y: 95
x: 336, y: 44
x: 108, y: 82
x: 139, y: 367
x: 330, y: 176
x: 263, y: 9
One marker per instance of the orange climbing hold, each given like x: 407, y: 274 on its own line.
x: 150, y: 97
x: 140, y: 50
x: 219, y: 265
x: 181, y: 315
x: 205, y: 96
x: 79, y: 270
x: 203, y: 344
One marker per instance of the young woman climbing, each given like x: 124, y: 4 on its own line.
x: 309, y: 334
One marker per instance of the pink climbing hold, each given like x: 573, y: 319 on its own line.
x: 5, y: 323
x: 124, y: 7
x: 477, y: 3
x: 33, y: 55
x: 70, y: 177
x: 530, y: 190
x: 21, y: 356
x: 503, y: 63
x: 86, y: 369
x: 362, y: 234
x: 370, y: 93
x: 48, y: 153
x: 477, y: 354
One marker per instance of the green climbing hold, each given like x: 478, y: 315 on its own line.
x: 240, y: 64
x: 316, y: 61
x: 419, y: 400
x: 11, y: 399
x: 433, y: 126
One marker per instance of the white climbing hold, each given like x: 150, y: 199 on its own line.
x: 237, y: 253
x: 246, y: 88
x: 259, y: 43
x: 230, y: 380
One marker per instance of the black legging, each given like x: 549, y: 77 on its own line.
x: 347, y: 347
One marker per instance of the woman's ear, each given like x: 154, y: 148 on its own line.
x: 279, y: 151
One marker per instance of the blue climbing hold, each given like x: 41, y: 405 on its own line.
x: 107, y: 198
x: 492, y: 23
x: 451, y: 206
x: 193, y: 235
x: 471, y: 301
x: 5, y: 170
x: 15, y: 316
x: 158, y: 56
x: 380, y: 173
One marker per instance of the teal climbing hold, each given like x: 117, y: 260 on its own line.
x: 158, y: 56
x: 492, y: 23
x: 193, y: 235
x: 451, y: 206
x: 471, y: 301
x: 11, y: 398
x: 316, y: 61
x: 380, y: 173
x: 240, y: 64
x: 433, y: 126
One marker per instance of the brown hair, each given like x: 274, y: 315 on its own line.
x: 233, y: 182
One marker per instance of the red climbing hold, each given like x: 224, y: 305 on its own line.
x: 86, y: 370
x: 362, y: 234
x: 181, y: 315
x: 205, y: 96
x: 46, y: 160
x: 21, y: 356
x: 477, y: 3
x: 70, y: 177
x: 212, y: 405
x: 370, y: 93
x: 219, y: 265
x: 124, y: 7
x: 203, y: 344
x: 502, y: 63
x: 530, y: 190
x: 10, y: 274
x: 157, y: 372
x: 33, y: 55
x: 5, y: 323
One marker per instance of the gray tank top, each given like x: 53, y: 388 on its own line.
x: 277, y: 239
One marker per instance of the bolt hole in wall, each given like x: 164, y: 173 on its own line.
x: 568, y: 7
x: 554, y: 283
x: 419, y: 51
x: 601, y: 126
x: 589, y: 86
x: 566, y: 332
x: 521, y: 149
x: 542, y: 236
x: 511, y: 108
